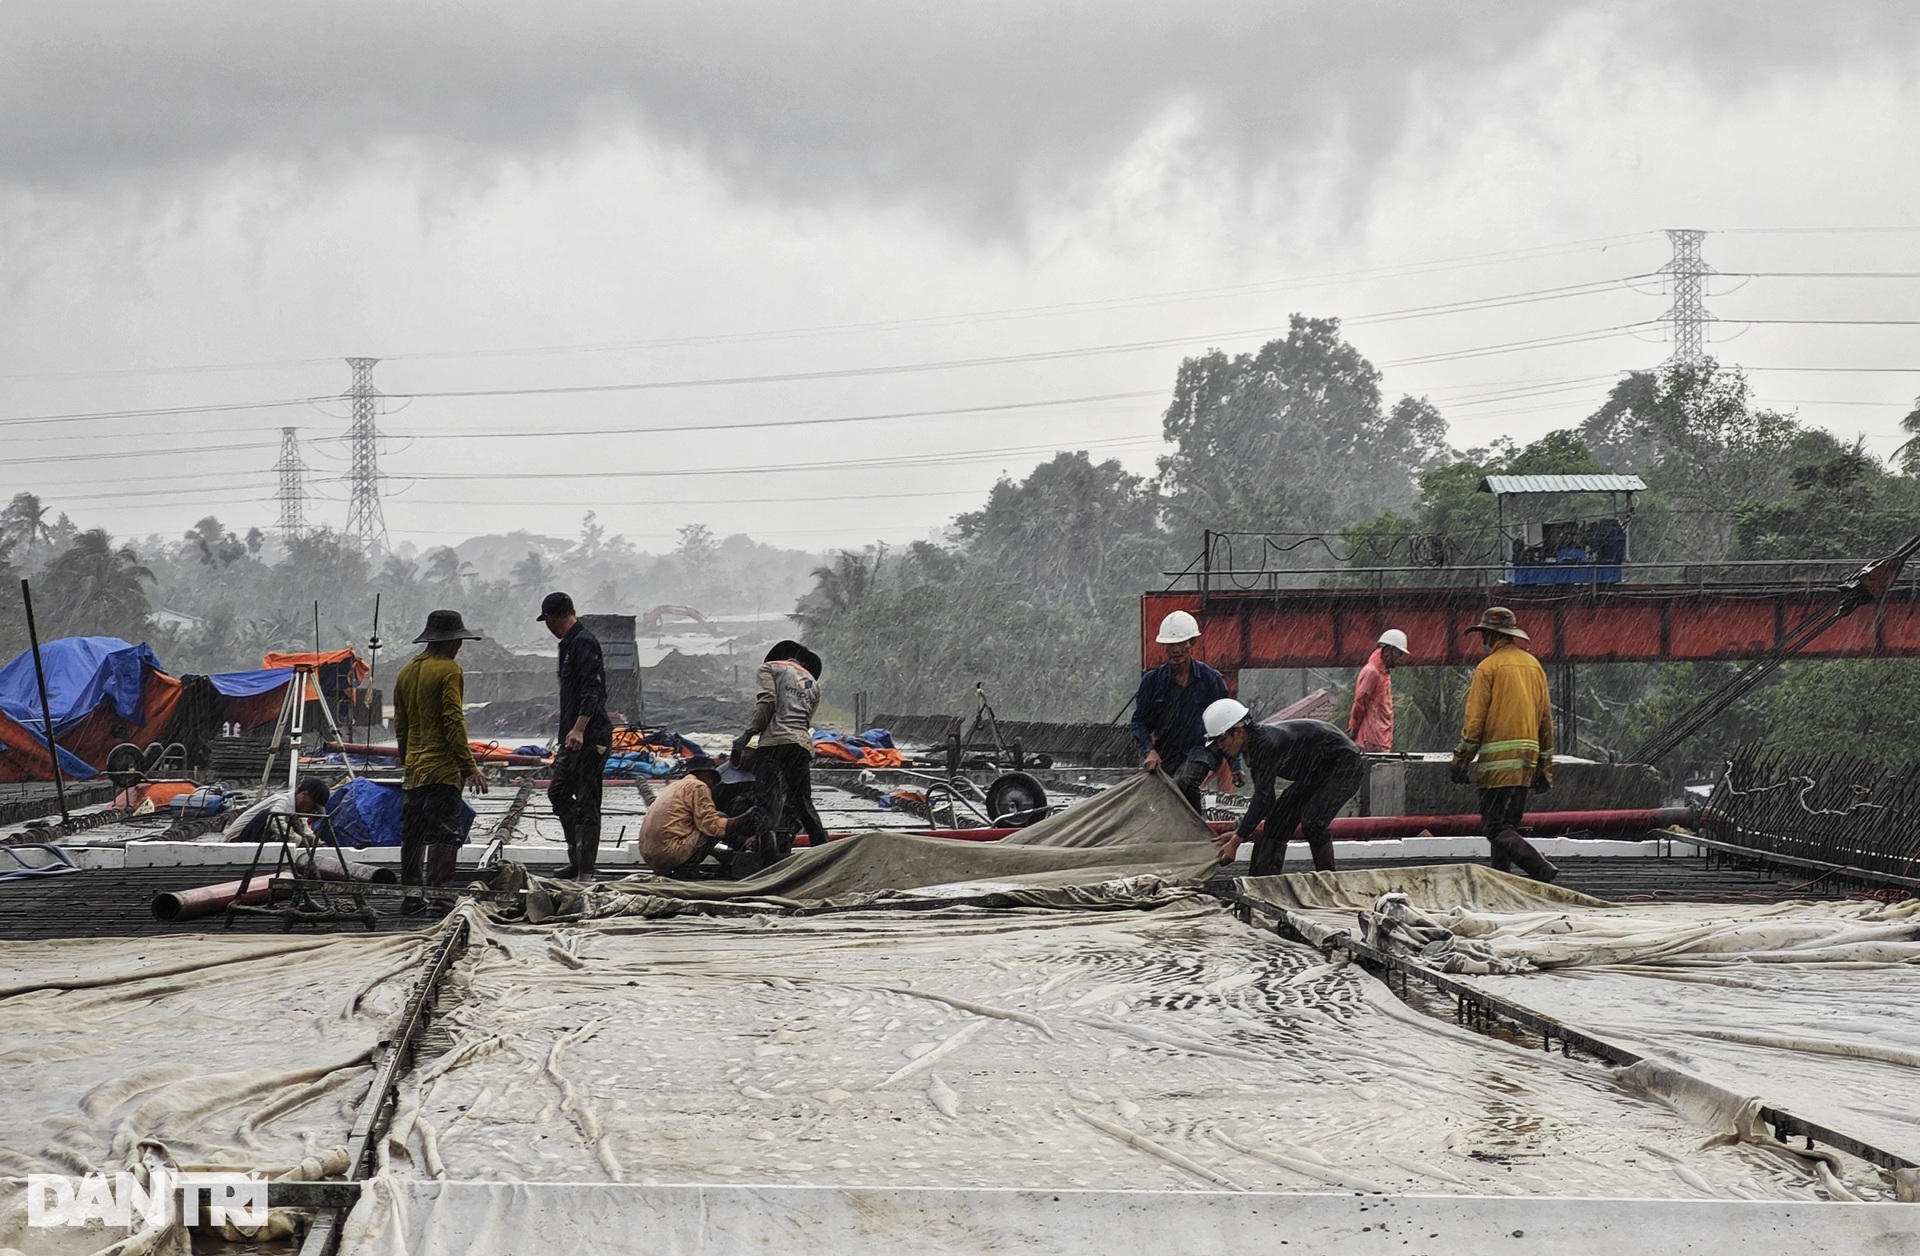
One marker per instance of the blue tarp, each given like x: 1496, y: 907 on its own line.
x: 367, y: 813
x: 249, y: 684
x: 82, y: 672
x: 73, y: 766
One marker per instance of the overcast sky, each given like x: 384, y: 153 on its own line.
x: 1002, y: 223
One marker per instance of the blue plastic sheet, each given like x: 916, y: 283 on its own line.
x: 71, y: 765
x: 367, y: 813
x: 82, y: 672
x: 249, y: 684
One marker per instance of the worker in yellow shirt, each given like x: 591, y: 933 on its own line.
x: 1506, y: 741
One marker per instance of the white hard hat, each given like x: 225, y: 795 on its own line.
x: 1221, y: 716
x: 1395, y: 638
x: 1177, y: 627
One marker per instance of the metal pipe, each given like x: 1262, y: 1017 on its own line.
x: 46, y: 708
x: 209, y: 900
x: 1377, y: 828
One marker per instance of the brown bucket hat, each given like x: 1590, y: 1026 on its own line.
x: 1501, y: 620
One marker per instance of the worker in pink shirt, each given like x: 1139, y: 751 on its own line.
x: 1371, y: 724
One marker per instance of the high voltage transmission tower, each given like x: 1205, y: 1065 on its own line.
x: 366, y: 521
x: 1688, y: 314
x: 293, y: 492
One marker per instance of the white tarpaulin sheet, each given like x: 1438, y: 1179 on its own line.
x: 1806, y: 1005
x: 1171, y: 1048
x: 485, y: 1219
x: 249, y: 1051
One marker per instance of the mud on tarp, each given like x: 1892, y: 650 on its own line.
x: 1134, y: 845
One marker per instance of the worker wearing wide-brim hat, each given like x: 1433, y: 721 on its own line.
x: 1506, y: 741
x: 787, y: 694
x: 1168, y: 709
x: 430, y: 725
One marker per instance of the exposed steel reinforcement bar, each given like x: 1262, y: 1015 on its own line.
x: 1582, y: 624
x: 393, y: 1057
x: 1481, y: 1010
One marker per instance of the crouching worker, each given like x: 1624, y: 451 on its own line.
x: 1323, y: 768
x: 309, y: 798
x: 683, y: 825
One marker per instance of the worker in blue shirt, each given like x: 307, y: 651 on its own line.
x: 1167, y: 711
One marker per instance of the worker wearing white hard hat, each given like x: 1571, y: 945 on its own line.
x: 1322, y: 768
x: 1169, y: 705
x: 1371, y: 722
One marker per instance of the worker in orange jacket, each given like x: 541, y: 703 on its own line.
x: 1371, y: 722
x: 1506, y: 741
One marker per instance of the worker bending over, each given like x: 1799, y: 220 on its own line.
x: 1506, y: 741
x: 684, y: 825
x: 1371, y: 722
x: 430, y: 725
x: 1169, y: 707
x: 1322, y: 768
x: 782, y: 763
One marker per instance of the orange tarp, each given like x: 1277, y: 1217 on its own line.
x: 330, y: 658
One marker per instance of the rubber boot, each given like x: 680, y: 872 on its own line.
x: 1322, y: 849
x: 586, y: 856
x: 1525, y: 857
x: 571, y: 869
x: 1502, y: 855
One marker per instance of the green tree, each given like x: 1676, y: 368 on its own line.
x: 1070, y: 531
x: 94, y: 588
x: 24, y: 524
x: 1293, y: 437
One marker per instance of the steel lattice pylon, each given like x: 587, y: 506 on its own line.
x: 292, y: 493
x: 1688, y: 314
x: 366, y: 521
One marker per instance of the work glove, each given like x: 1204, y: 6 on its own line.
x: 739, y: 751
x: 1543, y: 776
x: 1461, y: 771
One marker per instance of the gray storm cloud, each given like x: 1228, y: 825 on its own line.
x: 977, y: 109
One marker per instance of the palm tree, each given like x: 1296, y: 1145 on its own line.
x: 531, y: 575
x: 1909, y: 453
x: 447, y: 571
x: 24, y: 521
x: 94, y: 586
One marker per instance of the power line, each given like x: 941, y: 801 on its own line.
x: 863, y: 464
x: 1466, y: 261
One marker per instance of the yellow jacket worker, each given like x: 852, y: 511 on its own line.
x: 1506, y: 741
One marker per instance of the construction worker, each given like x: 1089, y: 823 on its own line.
x: 430, y: 725
x: 1506, y: 741
x: 684, y: 825
x: 1168, y: 709
x: 586, y: 735
x: 1322, y: 768
x: 1371, y: 722
x: 308, y: 798
x: 782, y: 763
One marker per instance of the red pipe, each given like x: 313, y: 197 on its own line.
x: 1374, y: 828
x: 206, y: 900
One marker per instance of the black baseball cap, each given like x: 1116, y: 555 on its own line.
x: 556, y: 604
